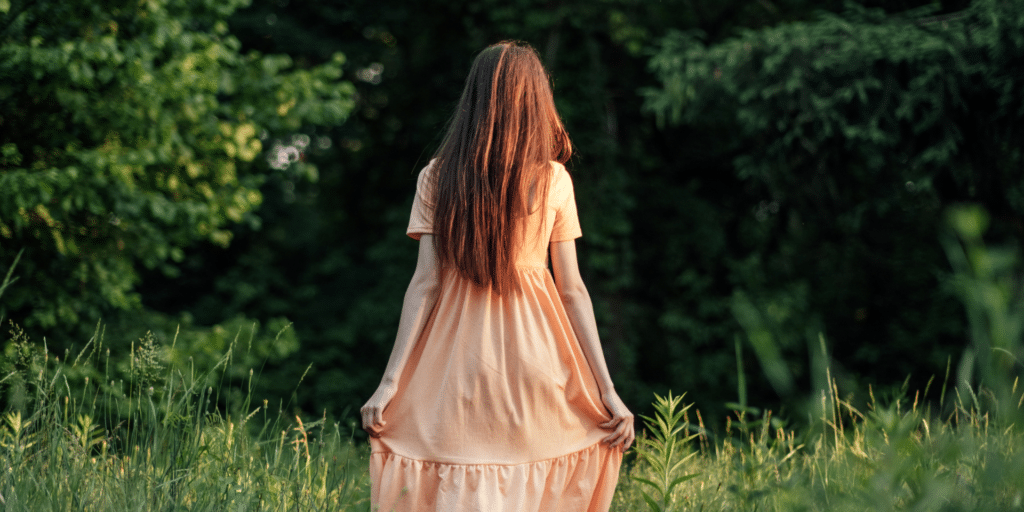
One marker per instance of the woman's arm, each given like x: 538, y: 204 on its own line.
x: 580, y: 309
x: 420, y: 298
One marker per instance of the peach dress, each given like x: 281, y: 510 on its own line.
x: 497, y: 408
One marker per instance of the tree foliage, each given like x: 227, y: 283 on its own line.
x: 848, y: 137
x: 130, y: 130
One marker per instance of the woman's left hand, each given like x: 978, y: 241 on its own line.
x: 621, y: 422
x: 373, y: 411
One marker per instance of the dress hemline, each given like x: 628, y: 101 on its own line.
x: 583, y: 480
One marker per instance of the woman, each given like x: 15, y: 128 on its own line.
x: 496, y: 396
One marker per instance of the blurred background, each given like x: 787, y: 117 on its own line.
x: 762, y: 184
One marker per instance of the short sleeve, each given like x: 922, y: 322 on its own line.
x: 567, y: 222
x: 421, y: 219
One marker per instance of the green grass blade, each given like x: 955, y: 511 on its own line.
x: 7, y: 279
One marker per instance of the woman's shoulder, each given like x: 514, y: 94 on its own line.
x: 560, y: 178
x: 426, y: 180
x: 558, y: 168
x: 429, y: 168
x: 560, y: 189
x: 427, y: 174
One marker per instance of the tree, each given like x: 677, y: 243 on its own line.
x: 849, y: 136
x: 128, y: 131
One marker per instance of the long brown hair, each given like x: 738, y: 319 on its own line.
x: 494, y: 164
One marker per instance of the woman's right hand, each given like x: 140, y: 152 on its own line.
x: 373, y: 411
x: 621, y: 422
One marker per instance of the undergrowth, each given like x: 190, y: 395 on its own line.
x: 896, y: 456
x: 159, y: 439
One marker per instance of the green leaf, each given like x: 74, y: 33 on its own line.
x: 651, y: 504
x: 680, y: 480
x: 648, y: 482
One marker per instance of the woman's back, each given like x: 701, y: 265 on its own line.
x: 537, y: 230
x: 495, y: 398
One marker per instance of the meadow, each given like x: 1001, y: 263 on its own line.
x: 81, y: 434
x: 91, y: 431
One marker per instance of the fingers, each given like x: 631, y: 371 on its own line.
x: 617, y: 439
x: 627, y: 437
x: 373, y: 430
x: 623, y: 434
x: 373, y: 420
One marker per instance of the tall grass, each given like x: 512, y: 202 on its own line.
x: 160, y: 440
x: 115, y: 445
x: 895, y: 456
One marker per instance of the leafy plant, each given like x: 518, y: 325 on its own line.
x: 666, y: 451
x: 131, y: 130
x: 988, y: 282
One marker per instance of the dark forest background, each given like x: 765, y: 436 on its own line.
x: 763, y: 185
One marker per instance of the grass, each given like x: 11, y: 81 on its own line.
x: 76, y: 437
x: 85, y: 433
x: 159, y: 441
x: 897, y: 456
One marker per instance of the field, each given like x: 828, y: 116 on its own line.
x: 81, y: 433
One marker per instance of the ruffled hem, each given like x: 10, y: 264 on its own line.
x: 580, y: 481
